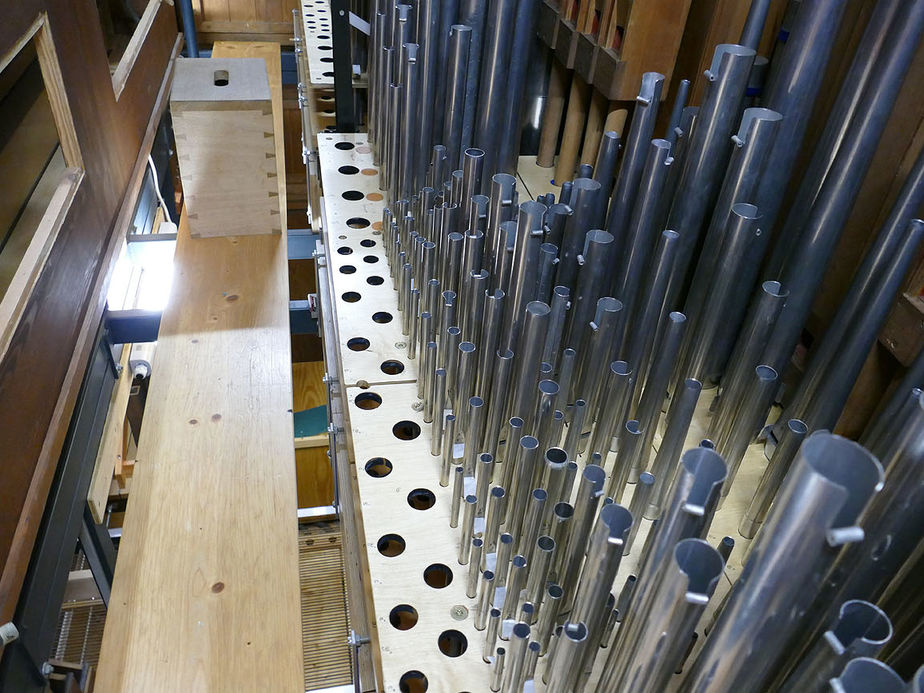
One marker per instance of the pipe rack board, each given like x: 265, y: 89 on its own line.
x: 373, y: 349
x: 318, y: 43
x: 393, y: 429
x: 206, y: 594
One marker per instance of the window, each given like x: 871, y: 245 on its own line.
x: 40, y: 166
x: 125, y: 25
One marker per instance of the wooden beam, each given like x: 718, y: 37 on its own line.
x: 112, y: 445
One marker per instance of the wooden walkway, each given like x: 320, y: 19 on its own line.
x: 206, y: 590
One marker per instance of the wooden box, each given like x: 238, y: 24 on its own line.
x: 223, y: 122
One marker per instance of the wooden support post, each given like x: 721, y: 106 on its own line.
x: 593, y: 133
x: 574, y: 128
x: 551, y: 121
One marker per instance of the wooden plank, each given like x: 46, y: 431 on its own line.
x: 308, y: 388
x: 112, y: 445
x: 210, y: 528
x: 651, y: 42
x: 903, y: 333
x: 206, y: 592
x: 312, y: 465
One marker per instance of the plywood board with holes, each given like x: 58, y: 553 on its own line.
x: 534, y: 179
x: 399, y: 580
x: 226, y: 146
x: 372, y: 345
x: 318, y: 42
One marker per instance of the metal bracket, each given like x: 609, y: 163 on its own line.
x: 8, y: 633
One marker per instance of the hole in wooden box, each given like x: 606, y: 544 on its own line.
x: 348, y: 170
x: 220, y: 78
x: 382, y: 317
x: 347, y: 269
x: 375, y: 280
x: 344, y: 146
x: 357, y: 222
x: 351, y: 296
x: 357, y: 344
x: 352, y: 195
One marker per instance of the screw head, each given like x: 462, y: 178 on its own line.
x: 401, y: 345
x: 459, y: 612
x: 417, y: 406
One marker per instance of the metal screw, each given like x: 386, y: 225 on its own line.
x: 401, y: 345
x: 459, y: 612
x: 417, y: 406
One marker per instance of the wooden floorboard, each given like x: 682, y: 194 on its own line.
x: 325, y: 625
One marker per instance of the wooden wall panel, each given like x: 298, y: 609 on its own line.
x: 268, y: 20
x: 41, y: 372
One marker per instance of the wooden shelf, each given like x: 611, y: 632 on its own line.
x: 649, y: 42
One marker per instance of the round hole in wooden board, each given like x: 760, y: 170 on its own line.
x: 347, y: 269
x: 421, y: 499
x: 437, y: 575
x: 413, y: 682
x: 345, y: 250
x: 392, y: 367
x: 406, y: 430
x: 375, y: 280
x: 367, y: 243
x: 382, y: 317
x: 351, y: 195
x: 452, y: 643
x: 377, y: 468
x: 403, y: 617
x: 357, y: 222
x: 351, y: 296
x: 348, y: 170
x: 391, y: 545
x: 357, y: 344
x: 368, y: 400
